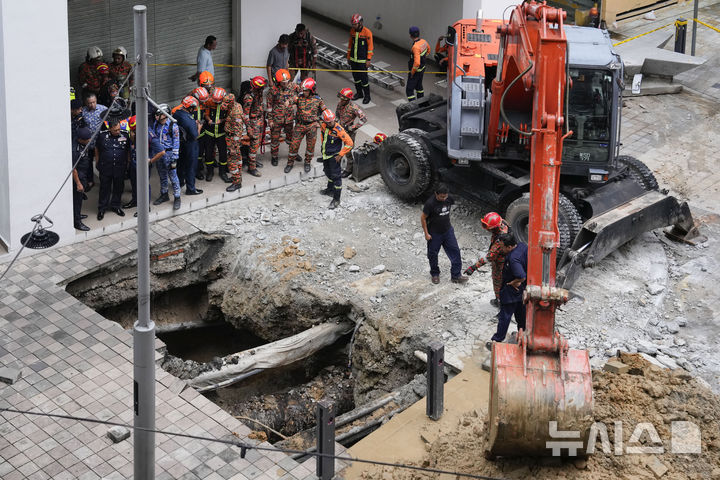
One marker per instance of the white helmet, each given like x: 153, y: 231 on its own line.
x: 120, y: 50
x: 93, y: 53
x: 162, y: 109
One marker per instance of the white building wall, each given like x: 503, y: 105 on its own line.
x: 260, y: 24
x: 34, y: 118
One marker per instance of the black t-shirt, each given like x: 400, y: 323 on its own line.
x: 438, y: 214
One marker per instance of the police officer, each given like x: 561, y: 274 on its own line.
x: 112, y: 151
x: 80, y: 159
x: 359, y: 54
x: 185, y: 117
x: 335, y: 144
x: 418, y: 55
x: 169, y: 135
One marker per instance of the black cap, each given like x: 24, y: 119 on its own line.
x: 83, y: 133
x: 75, y: 104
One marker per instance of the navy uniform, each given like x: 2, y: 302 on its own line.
x: 112, y: 162
x: 511, y: 298
x: 335, y: 143
x: 418, y: 55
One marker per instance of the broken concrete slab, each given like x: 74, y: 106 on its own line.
x: 616, y: 366
x: 667, y: 361
x: 657, y: 467
x: 646, y: 55
x: 10, y: 374
x: 117, y: 433
x: 653, y: 360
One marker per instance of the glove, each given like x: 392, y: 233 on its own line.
x: 470, y: 270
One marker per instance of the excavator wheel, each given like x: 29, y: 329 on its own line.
x: 405, y: 166
x: 639, y: 172
x: 421, y: 135
x: 569, y: 221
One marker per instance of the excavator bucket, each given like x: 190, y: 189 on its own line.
x: 529, y: 391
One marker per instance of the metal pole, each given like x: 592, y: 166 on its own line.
x: 434, y: 404
x: 694, y: 22
x: 680, y: 34
x: 325, y: 466
x: 144, y: 328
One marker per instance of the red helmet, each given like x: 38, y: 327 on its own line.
x: 282, y: 75
x: 201, y: 94
x: 491, y: 220
x: 328, y: 116
x: 346, y: 92
x: 131, y: 122
x: 190, y: 102
x: 206, y: 79
x: 218, y: 95
x: 379, y: 138
x: 308, y: 84
x: 259, y: 82
x: 356, y: 18
x: 103, y: 69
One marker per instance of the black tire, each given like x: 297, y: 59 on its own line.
x: 421, y: 136
x: 405, y: 166
x: 569, y: 221
x: 639, y: 172
x: 401, y: 110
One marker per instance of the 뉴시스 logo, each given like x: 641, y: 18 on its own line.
x: 684, y: 439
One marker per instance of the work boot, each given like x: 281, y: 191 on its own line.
x: 307, y: 168
x: 346, y: 173
x: 288, y: 167
x: 435, y: 279
x: 224, y: 174
x: 357, y: 96
x: 233, y: 187
x: 259, y: 164
x: 176, y: 203
x: 461, y: 280
x: 274, y: 161
x: 326, y: 191
x: 366, y: 99
x: 162, y: 199
x: 199, y: 175
x: 495, y: 303
x: 209, y: 172
x: 254, y: 172
x: 334, y: 204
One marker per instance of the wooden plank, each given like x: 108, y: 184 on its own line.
x: 619, y: 10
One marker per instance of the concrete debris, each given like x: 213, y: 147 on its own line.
x: 349, y: 253
x: 117, y: 433
x: 672, y: 327
x: 655, y: 288
x: 667, y: 361
x: 378, y: 269
x: 657, y: 467
x: 643, y: 346
x: 10, y: 375
x: 354, y: 268
x: 616, y: 366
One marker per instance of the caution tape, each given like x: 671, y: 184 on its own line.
x: 706, y: 25
x: 642, y: 35
x: 308, y: 69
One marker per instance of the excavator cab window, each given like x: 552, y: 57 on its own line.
x: 589, y: 116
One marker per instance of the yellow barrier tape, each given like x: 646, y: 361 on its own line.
x: 706, y: 25
x: 309, y: 69
x: 641, y: 35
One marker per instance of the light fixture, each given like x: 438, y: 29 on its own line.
x: 40, y: 237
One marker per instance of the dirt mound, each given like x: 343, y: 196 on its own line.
x: 645, y: 394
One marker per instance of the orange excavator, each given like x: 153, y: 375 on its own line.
x: 540, y: 379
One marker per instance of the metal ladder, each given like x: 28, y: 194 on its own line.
x: 331, y: 56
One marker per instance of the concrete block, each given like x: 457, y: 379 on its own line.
x: 117, y: 434
x: 615, y: 366
x: 10, y: 374
x: 657, y: 467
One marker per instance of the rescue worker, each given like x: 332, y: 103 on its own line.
x: 233, y: 133
x: 112, y: 153
x: 359, y: 54
x: 104, y: 78
x: 346, y: 113
x: 493, y: 223
x: 309, y: 108
x: 514, y: 275
x: 281, y: 99
x: 207, y: 81
x: 379, y: 138
x: 80, y: 159
x: 441, y: 52
x: 335, y: 144
x: 120, y: 68
x: 303, y: 51
x: 169, y: 135
x: 418, y: 56
x: 187, y: 163
x: 203, y: 96
x: 87, y: 72
x: 254, y: 120
x: 214, y: 128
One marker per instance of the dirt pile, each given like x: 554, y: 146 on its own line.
x: 644, y: 394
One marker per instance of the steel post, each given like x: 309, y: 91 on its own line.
x: 694, y: 34
x: 435, y: 380
x: 325, y: 469
x: 680, y: 34
x: 144, y: 328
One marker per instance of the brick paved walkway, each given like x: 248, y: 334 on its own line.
x: 75, y: 362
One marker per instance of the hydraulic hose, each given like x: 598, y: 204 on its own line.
x: 502, y: 103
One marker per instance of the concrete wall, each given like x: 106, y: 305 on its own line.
x: 34, y: 142
x: 259, y: 25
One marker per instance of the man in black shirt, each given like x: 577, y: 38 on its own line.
x: 435, y: 221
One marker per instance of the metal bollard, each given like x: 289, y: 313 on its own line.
x: 435, y: 379
x: 680, y: 35
x: 325, y: 469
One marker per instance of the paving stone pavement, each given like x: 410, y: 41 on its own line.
x: 75, y: 362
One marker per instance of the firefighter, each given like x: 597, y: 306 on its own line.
x: 359, y: 54
x: 207, y: 80
x: 87, y: 72
x: 202, y: 96
x: 309, y: 108
x: 234, y: 130
x: 418, y: 56
x: 441, y: 52
x: 254, y: 119
x: 335, y: 144
x: 493, y: 223
x: 119, y: 70
x: 214, y: 129
x: 281, y: 99
x: 346, y: 113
